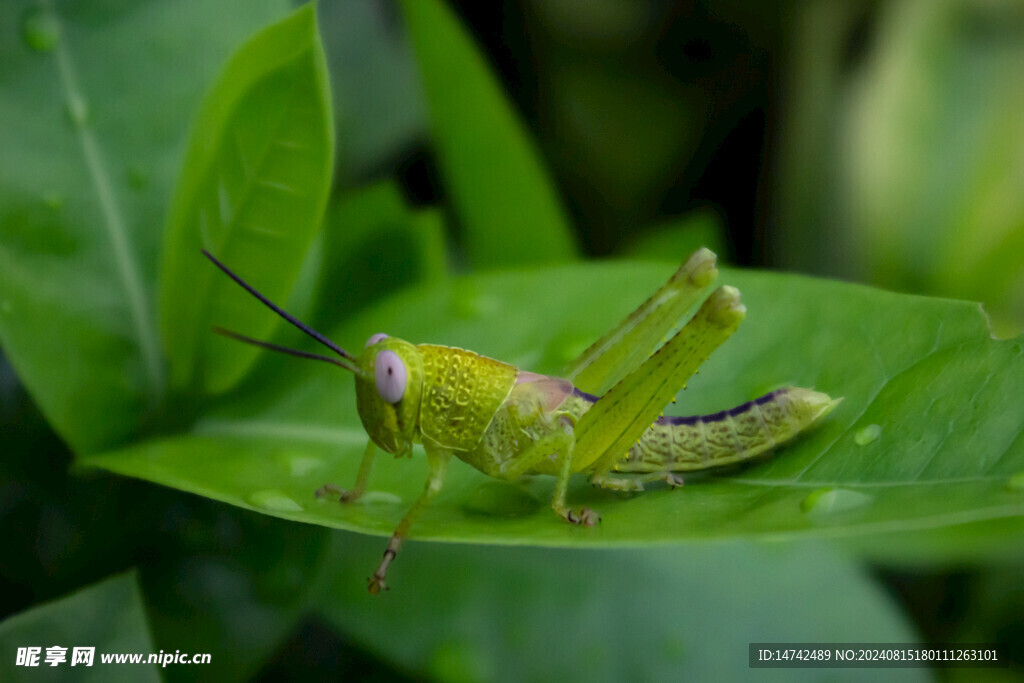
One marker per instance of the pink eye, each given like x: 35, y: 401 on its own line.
x: 374, y: 339
x: 389, y: 373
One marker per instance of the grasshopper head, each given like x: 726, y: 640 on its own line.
x: 388, y: 389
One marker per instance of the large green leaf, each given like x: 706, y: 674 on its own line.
x: 95, y: 102
x: 499, y: 188
x: 531, y: 614
x: 945, y: 396
x: 107, y: 616
x: 252, y: 191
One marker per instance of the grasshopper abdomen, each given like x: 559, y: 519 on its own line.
x: 676, y: 444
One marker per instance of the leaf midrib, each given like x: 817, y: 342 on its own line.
x: 113, y: 221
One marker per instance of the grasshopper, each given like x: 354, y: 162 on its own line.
x: 508, y: 423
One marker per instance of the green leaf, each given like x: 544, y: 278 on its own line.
x: 528, y: 614
x: 95, y: 103
x: 252, y: 191
x: 499, y: 188
x: 374, y: 244
x: 108, y: 616
x: 944, y: 393
x: 380, y: 111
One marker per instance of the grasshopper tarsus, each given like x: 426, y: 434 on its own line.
x: 377, y: 583
x: 585, y: 517
x: 344, y: 495
x: 674, y: 480
x: 329, y: 490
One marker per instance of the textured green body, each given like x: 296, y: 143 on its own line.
x: 462, y: 392
x: 686, y: 444
x: 490, y: 414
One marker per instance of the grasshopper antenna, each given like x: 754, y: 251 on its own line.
x: 281, y: 349
x: 294, y: 321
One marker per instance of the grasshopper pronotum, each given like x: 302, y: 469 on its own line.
x: 508, y: 423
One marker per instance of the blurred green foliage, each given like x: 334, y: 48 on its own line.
x: 872, y: 140
x: 905, y: 167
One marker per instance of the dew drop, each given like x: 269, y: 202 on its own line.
x: 460, y: 661
x: 298, y: 463
x: 495, y: 499
x: 565, y: 348
x: 39, y: 29
x: 138, y: 179
x: 1016, y: 482
x: 468, y: 302
x: 53, y: 199
x: 77, y: 110
x: 378, y: 498
x: 300, y: 466
x: 465, y: 302
x: 827, y: 501
x: 672, y: 649
x: 868, y: 434
x: 274, y: 500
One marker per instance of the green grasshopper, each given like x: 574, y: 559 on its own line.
x: 508, y: 423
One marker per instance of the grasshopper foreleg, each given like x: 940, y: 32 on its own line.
x: 350, y: 495
x: 438, y: 461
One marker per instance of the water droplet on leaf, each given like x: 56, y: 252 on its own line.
x: 827, y: 501
x: 53, y: 199
x: 378, y: 498
x: 138, y: 179
x: 565, y: 348
x: 460, y: 661
x: 868, y: 434
x: 465, y: 302
x: 673, y: 649
x: 298, y: 463
x: 77, y: 110
x: 274, y: 500
x: 39, y: 29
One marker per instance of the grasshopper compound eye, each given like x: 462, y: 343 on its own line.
x: 389, y: 373
x: 374, y: 339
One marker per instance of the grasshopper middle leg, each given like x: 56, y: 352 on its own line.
x: 560, y: 442
x: 438, y: 460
